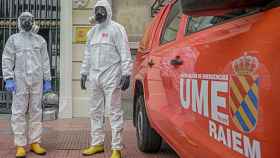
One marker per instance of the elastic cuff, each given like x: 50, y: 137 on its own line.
x: 38, y: 140
x: 117, y: 148
x: 20, y: 144
x: 9, y: 79
x: 99, y: 144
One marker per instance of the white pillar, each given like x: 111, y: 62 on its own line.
x: 65, y: 101
x: 110, y: 1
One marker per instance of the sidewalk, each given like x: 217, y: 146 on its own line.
x: 65, y: 139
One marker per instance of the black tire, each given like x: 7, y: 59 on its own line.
x: 148, y: 140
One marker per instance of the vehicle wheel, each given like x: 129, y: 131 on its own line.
x: 147, y: 139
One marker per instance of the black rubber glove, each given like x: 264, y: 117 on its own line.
x: 83, y: 82
x: 125, y: 81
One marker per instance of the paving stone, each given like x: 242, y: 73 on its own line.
x: 65, y: 139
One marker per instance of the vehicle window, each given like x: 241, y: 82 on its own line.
x: 198, y: 23
x: 171, y: 25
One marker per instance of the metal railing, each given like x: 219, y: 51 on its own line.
x: 47, y: 16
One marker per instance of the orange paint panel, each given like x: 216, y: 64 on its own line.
x: 238, y: 58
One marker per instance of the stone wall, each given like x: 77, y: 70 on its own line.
x: 133, y: 14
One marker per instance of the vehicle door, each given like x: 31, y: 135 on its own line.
x: 142, y: 64
x: 165, y: 65
x: 216, y: 72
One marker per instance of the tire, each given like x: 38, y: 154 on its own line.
x: 148, y: 140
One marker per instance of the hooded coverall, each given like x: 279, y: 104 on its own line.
x: 107, y: 57
x: 25, y: 60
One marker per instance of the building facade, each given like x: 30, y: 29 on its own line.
x: 64, y: 24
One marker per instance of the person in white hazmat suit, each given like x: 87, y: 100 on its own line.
x: 26, y: 71
x: 107, y: 66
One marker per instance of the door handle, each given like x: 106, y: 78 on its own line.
x: 151, y: 63
x: 177, y: 61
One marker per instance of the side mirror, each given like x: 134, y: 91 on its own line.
x: 218, y: 7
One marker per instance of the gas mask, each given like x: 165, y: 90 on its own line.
x: 100, y: 14
x: 26, y: 23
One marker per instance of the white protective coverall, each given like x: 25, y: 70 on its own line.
x: 107, y: 57
x: 25, y: 59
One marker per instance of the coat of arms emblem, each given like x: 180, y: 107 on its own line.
x: 244, y: 93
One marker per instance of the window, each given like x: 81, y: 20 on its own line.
x: 198, y: 23
x: 172, y: 23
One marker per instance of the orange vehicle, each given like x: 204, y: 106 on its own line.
x: 208, y: 83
